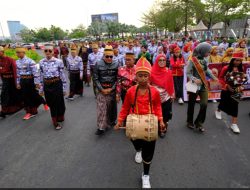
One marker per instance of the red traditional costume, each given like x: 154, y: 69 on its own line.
x: 126, y: 78
x: 10, y: 97
x: 144, y: 149
x: 177, y: 64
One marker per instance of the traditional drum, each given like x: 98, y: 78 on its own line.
x: 143, y: 127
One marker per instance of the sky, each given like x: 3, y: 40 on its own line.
x: 69, y: 14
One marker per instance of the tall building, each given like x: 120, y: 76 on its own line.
x: 14, y: 28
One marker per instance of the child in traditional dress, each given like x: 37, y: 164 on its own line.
x: 143, y: 106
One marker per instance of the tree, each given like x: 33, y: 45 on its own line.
x: 227, y: 10
x: 96, y: 29
x: 152, y: 19
x: 123, y: 28
x: 27, y: 35
x: 57, y: 33
x: 174, y: 15
x: 79, y: 32
x: 132, y: 30
x: 112, y: 28
x: 43, y: 35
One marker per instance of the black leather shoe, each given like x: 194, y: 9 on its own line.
x: 99, y: 132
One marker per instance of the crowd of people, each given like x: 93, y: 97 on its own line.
x: 146, y: 75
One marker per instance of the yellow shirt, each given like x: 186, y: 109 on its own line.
x: 215, y: 59
x: 226, y: 59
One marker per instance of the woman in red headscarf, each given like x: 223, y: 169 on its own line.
x: 177, y: 63
x: 162, y: 80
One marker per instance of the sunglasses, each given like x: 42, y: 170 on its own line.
x: 48, y: 50
x: 108, y: 56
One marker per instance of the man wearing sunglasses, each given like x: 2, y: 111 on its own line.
x: 53, y: 84
x: 105, y: 79
x: 93, y: 58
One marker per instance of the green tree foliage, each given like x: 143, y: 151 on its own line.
x: 226, y: 10
x: 78, y: 32
x: 174, y: 15
x: 57, y: 33
x: 42, y: 34
x: 96, y: 29
x: 27, y: 35
x: 112, y: 29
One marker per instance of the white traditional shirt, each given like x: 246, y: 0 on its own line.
x: 50, y: 69
x: 27, y: 66
x: 75, y: 64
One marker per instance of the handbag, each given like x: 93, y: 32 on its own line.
x: 191, y: 86
x: 144, y: 127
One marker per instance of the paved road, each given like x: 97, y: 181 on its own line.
x: 33, y: 154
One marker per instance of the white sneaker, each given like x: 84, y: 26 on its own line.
x: 138, y: 157
x: 218, y: 114
x: 235, y: 128
x: 146, y: 182
x: 214, y: 101
x: 180, y: 101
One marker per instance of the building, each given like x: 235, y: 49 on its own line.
x: 110, y: 17
x: 14, y: 29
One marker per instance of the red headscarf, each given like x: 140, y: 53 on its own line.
x: 186, y: 47
x: 162, y: 76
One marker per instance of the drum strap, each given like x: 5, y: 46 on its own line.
x: 150, y: 100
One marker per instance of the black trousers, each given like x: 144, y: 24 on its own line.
x: 76, y: 84
x: 123, y: 94
x: 95, y: 90
x: 203, y: 107
x: 147, y: 149
x: 178, y: 86
x: 31, y: 98
x: 167, y: 110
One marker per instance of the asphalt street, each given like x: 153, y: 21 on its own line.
x: 33, y: 154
